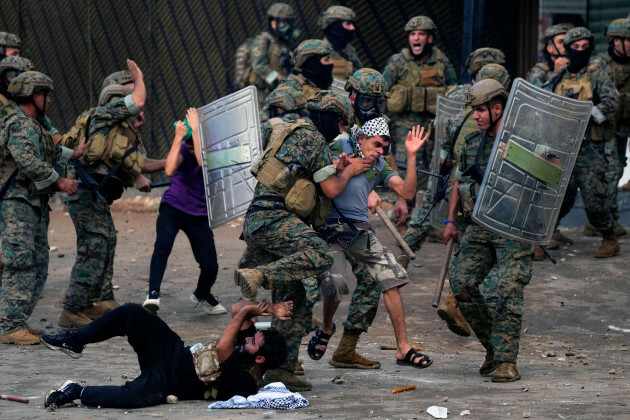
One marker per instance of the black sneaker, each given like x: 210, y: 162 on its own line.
x: 64, y: 343
x: 66, y: 394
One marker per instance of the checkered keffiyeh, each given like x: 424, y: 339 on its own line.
x: 375, y: 127
x: 273, y: 396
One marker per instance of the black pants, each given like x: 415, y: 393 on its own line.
x: 166, y: 365
x: 169, y: 222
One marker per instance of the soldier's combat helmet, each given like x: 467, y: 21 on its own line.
x: 287, y: 98
x: 482, y: 56
x: 618, y: 28
x: 280, y: 11
x: 421, y: 23
x: 496, y: 72
x: 334, y: 14
x: 17, y: 63
x: 551, y: 33
x: 368, y: 82
x: 576, y: 34
x: 331, y: 101
x: 10, y: 40
x: 308, y: 49
x: 113, y: 92
x: 117, y: 78
x: 26, y: 84
x: 484, y: 91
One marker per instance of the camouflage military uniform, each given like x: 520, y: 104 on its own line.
x: 292, y: 251
x: 479, y: 251
x: 345, y: 57
x: 29, y: 147
x: 403, y: 75
x: 270, y: 57
x: 93, y: 270
x: 589, y: 171
x: 539, y: 74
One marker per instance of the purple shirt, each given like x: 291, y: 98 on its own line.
x: 187, y: 192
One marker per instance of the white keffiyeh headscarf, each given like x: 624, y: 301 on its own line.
x: 375, y: 127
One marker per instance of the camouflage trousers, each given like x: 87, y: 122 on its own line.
x: 417, y: 234
x: 614, y: 171
x: 25, y: 256
x: 589, y: 175
x: 479, y: 251
x: 399, y: 127
x: 91, y: 277
x: 290, y: 252
x: 375, y: 270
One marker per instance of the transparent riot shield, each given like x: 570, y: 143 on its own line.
x: 229, y: 134
x: 447, y: 110
x: 531, y: 163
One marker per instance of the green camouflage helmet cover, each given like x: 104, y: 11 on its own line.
x: 482, y: 56
x: 309, y: 48
x: 118, y: 78
x: 335, y: 13
x: 8, y: 39
x: 280, y: 11
x: 484, y: 91
x: 496, y: 72
x: 26, y: 84
x: 113, y: 92
x: 552, y: 32
x: 368, y: 82
x: 287, y: 98
x: 330, y: 101
x: 15, y: 63
x: 618, y: 28
x: 577, y: 34
x: 420, y: 23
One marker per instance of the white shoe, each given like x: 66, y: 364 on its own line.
x: 152, y: 304
x: 207, y: 307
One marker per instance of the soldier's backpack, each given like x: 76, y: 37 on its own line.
x: 80, y: 129
x: 243, y: 68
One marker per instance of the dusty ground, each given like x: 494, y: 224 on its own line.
x: 573, y: 364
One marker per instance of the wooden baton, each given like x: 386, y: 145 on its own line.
x: 440, y: 284
x: 16, y: 399
x: 403, y: 389
x: 381, y: 213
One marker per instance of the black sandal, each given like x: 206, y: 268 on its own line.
x: 410, y: 358
x: 317, y: 340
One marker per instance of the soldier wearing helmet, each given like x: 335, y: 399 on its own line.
x: 271, y: 49
x: 415, y: 77
x: 10, y: 67
x: 282, y: 249
x: 480, y: 249
x: 551, y: 47
x: 339, y: 25
x: 586, y: 78
x: 618, y: 59
x: 284, y: 103
x: 31, y: 166
x: 116, y: 118
x: 10, y: 45
x: 475, y: 61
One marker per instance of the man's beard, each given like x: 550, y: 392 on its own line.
x: 245, y: 357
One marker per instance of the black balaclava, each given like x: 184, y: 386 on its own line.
x: 577, y: 59
x: 337, y: 35
x: 326, y: 122
x: 621, y: 59
x: 318, y: 73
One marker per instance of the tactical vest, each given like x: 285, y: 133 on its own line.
x: 468, y: 126
x: 8, y: 165
x: 580, y: 88
x: 7, y: 108
x: 80, y: 129
x: 418, y: 91
x: 341, y: 67
x: 621, y: 78
x: 275, y: 53
x: 307, y: 89
x: 122, y: 140
x: 300, y: 195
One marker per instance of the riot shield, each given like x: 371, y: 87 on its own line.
x: 229, y: 136
x: 531, y: 163
x: 447, y: 110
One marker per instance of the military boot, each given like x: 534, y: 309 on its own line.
x: 450, y: 313
x: 590, y: 230
x: 609, y: 247
x: 539, y: 254
x: 20, y: 337
x: 289, y: 380
x: 299, y: 369
x: 557, y: 239
x: 507, y: 372
x: 250, y: 280
x: 108, y: 305
x: 96, y: 310
x: 620, y: 230
x: 346, y: 356
x: 489, y: 365
x: 69, y: 319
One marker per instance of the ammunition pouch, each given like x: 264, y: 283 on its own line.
x: 467, y: 196
x: 206, y: 363
x: 623, y: 112
x: 602, y: 132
